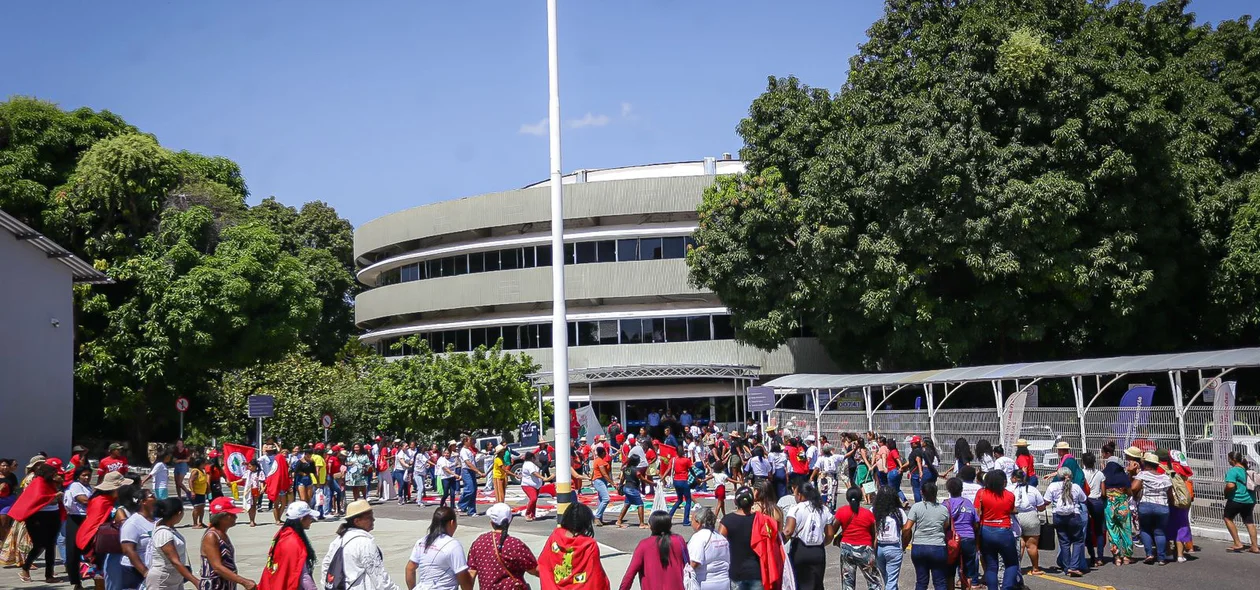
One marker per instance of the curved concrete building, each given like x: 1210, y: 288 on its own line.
x: 467, y: 272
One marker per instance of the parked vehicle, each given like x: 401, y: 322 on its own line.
x: 1202, y: 455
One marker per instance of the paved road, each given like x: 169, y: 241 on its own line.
x: 399, y: 527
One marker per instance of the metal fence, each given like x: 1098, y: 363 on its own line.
x: 1045, y: 426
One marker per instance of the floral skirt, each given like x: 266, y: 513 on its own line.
x: 16, y: 546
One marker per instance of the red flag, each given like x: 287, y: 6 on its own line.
x: 278, y: 478
x: 236, y: 460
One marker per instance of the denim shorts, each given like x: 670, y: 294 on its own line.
x: 633, y: 498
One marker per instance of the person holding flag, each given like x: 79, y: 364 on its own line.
x: 279, y: 480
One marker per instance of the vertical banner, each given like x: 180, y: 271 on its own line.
x: 1135, y: 412
x: 236, y: 460
x: 589, y: 422
x: 1222, y: 426
x: 1013, y: 419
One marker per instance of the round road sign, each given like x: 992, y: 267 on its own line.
x: 326, y: 420
x: 181, y: 404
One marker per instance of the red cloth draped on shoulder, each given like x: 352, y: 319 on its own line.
x: 283, y: 570
x: 571, y: 563
x: 279, y: 480
x: 769, y: 549
x: 37, y: 495
x: 98, y: 510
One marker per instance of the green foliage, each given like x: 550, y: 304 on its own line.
x: 998, y: 181
x: 447, y: 394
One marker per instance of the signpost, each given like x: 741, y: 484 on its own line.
x: 326, y: 422
x: 760, y: 399
x: 181, y: 406
x: 261, y: 406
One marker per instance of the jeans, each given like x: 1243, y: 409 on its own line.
x: 916, y: 486
x: 780, y: 483
x: 883, y: 478
x: 401, y: 484
x: 684, y: 493
x: 449, y: 486
x: 929, y: 560
x: 888, y: 559
x: 468, y: 499
x: 1071, y: 532
x: 999, y: 543
x: 1153, y: 519
x: 894, y: 481
x: 746, y: 585
x: 967, y: 553
x: 1096, y: 541
x: 601, y: 488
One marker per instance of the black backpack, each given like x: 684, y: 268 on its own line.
x: 335, y: 574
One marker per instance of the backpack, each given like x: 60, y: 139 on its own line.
x: 335, y: 574
x: 1181, y: 492
x: 1253, y: 481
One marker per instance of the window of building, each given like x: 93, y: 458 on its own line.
x: 586, y: 253
x: 568, y: 253
x: 434, y: 268
x: 698, y: 328
x: 478, y: 337
x: 544, y: 255
x: 509, y: 259
x: 609, y: 332
x: 675, y: 329
x: 722, y: 329
x: 655, y: 328
x: 477, y: 262
x: 527, y: 258
x: 606, y: 250
x: 674, y: 248
x: 689, y: 243
x: 631, y: 331
x: 650, y: 249
x: 627, y: 250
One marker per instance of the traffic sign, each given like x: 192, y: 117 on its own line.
x: 326, y: 420
x: 181, y: 404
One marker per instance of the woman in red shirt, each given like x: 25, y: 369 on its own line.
x: 681, y: 466
x: 895, y: 467
x: 658, y: 560
x: 857, y: 542
x: 995, y: 506
x: 1024, y: 460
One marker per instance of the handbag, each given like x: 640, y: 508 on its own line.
x: 108, y: 538
x: 1046, y: 542
x: 953, y: 544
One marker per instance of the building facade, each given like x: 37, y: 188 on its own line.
x: 467, y: 272
x: 37, y: 351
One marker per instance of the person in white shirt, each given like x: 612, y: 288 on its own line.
x: 419, y: 467
x: 363, y: 562
x: 75, y: 500
x: 813, y: 527
x: 469, y: 473
x: 159, y: 475
x: 1065, y: 499
x: 968, y: 476
x: 811, y: 451
x: 168, y: 554
x: 709, y: 552
x: 1001, y: 461
x: 404, y: 458
x: 437, y: 561
x: 1028, y: 504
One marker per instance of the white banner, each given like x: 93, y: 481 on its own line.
x: 1222, y: 426
x: 1013, y: 419
x: 589, y: 422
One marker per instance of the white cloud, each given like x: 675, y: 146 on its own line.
x: 590, y: 120
x: 539, y: 128
x: 626, y: 109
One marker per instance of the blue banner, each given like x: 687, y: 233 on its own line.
x: 1134, y: 414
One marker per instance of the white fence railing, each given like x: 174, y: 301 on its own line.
x: 1044, y: 426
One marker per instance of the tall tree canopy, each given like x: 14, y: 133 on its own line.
x: 1001, y: 180
x: 204, y: 284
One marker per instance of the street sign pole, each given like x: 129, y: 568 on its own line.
x: 181, y: 425
x: 181, y: 406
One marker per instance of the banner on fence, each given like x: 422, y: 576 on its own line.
x: 834, y: 399
x: 589, y: 422
x: 1013, y: 419
x: 1222, y: 426
x: 1135, y: 412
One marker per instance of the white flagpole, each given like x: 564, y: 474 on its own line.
x: 559, y: 321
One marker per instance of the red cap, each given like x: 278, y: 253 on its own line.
x: 915, y: 439
x: 213, y: 454
x: 378, y: 437
x: 224, y: 505
x: 53, y: 462
x: 336, y: 448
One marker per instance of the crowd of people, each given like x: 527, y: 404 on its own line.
x: 967, y: 524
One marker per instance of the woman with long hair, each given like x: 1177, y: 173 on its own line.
x: 984, y: 455
x: 291, y: 558
x: 358, y: 468
x: 1095, y: 482
x: 659, y: 559
x: 447, y: 476
x: 533, y: 484
x: 896, y: 467
x: 1153, y: 491
x: 629, y: 487
x: 498, y: 559
x: 1117, y: 515
x: 995, y: 506
x: 39, y: 508
x: 857, y: 539
x: 737, y: 529
x: 809, y: 528
x: 1024, y: 462
x: 890, y: 545
x: 710, y: 552
x: 168, y: 553
x: 1065, y: 499
x: 218, y: 554
x: 763, y: 493
x: 962, y: 456
x: 779, y: 461
x: 929, y: 525
x: 437, y: 561
x: 1239, y: 502
x: 570, y: 557
x: 138, y: 509
x: 758, y: 466
x: 1028, y: 503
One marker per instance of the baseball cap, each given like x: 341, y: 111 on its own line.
x: 319, y: 446
x: 224, y: 505
x: 297, y: 511
x: 378, y: 437
x: 499, y: 514
x: 79, y: 449
x: 53, y: 462
x: 212, y: 454
x: 915, y: 439
x: 115, y: 447
x: 810, y: 438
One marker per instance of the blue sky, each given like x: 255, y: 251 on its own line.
x: 376, y: 106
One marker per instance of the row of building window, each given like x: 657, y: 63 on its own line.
x: 533, y: 256
x: 584, y: 333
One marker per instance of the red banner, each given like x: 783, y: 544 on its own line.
x: 236, y: 460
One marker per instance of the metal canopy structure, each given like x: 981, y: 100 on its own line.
x: 628, y: 372
x: 1157, y: 363
x: 1024, y: 375
x: 81, y: 271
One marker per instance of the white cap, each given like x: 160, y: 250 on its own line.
x: 297, y: 511
x: 499, y: 514
x: 809, y: 438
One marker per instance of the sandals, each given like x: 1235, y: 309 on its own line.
x: 25, y: 576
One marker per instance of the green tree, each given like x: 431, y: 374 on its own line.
x: 996, y: 180
x: 445, y: 394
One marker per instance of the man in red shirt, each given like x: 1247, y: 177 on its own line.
x: 681, y: 468
x: 114, y: 462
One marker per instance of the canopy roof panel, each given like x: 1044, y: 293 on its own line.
x: 1155, y: 363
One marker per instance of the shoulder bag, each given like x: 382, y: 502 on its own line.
x: 953, y: 543
x: 108, y: 537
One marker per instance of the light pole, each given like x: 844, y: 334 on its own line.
x: 559, y: 319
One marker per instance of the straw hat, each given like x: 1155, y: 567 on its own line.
x: 1021, y: 442
x: 1133, y: 453
x: 1063, y: 444
x: 112, y: 481
x: 1151, y: 458
x: 36, y: 460
x: 356, y: 508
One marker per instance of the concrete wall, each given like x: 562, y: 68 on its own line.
x: 36, y: 357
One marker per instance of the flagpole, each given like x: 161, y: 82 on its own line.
x: 559, y: 320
